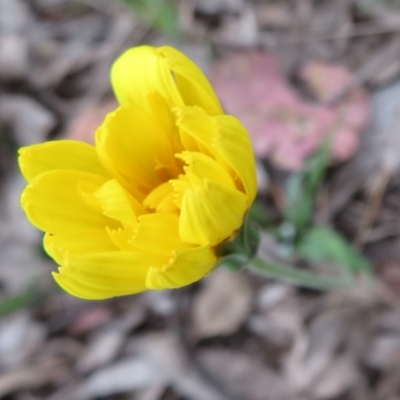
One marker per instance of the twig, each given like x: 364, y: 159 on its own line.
x: 370, y: 69
x: 373, y: 206
x: 123, y: 26
x: 382, y: 232
x: 359, y: 30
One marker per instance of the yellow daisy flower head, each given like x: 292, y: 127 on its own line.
x: 169, y: 179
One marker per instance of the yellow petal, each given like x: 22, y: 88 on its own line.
x: 79, y: 289
x: 225, y: 139
x: 162, y: 199
x: 104, y: 275
x: 158, y: 234
x: 193, y: 86
x: 143, y: 70
x: 130, y: 144
x: 180, y: 186
x: 62, y: 246
x: 81, y: 286
x: 87, y: 190
x: 52, y: 202
x: 59, y: 154
x: 166, y: 118
x: 139, y: 72
x: 234, y: 146
x: 185, y: 267
x: 211, y: 213
x: 201, y: 167
x: 121, y: 237
x: 118, y: 204
x: 155, y: 234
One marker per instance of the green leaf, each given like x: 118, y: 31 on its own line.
x: 233, y: 262
x: 161, y: 14
x: 9, y: 305
x: 324, y: 245
x: 299, y: 202
x: 297, y: 276
x: 302, y: 188
x: 258, y: 213
x: 245, y: 242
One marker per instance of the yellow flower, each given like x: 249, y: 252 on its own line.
x: 169, y: 179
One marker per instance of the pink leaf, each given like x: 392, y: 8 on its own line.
x: 283, y: 126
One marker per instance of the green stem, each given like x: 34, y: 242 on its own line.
x: 297, y: 276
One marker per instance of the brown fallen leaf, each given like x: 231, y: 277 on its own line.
x: 378, y: 154
x: 279, y: 324
x: 166, y: 355
x: 244, y: 376
x: 313, y: 352
x: 20, y: 337
x: 14, y: 60
x: 222, y: 305
x: 30, y: 121
x: 105, y: 343
x: 152, y: 393
x: 102, y: 349
x: 271, y: 294
x: 32, y: 376
x: 125, y: 375
x: 340, y: 376
x: 384, y: 353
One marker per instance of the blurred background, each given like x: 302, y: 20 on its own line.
x: 317, y: 84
